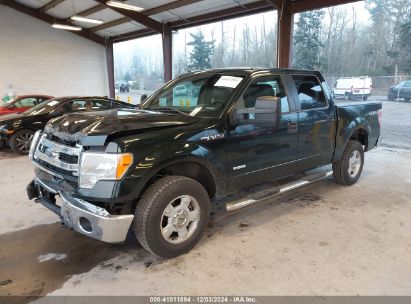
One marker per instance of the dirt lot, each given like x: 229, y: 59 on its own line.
x: 325, y: 239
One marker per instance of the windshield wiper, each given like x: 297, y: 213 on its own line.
x: 167, y: 109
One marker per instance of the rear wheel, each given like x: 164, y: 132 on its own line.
x: 20, y: 141
x: 348, y: 170
x: 171, y: 216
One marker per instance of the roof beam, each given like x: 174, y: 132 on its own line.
x: 51, y: 20
x: 234, y: 12
x: 238, y: 11
x: 109, y: 24
x: 94, y: 9
x: 89, y: 11
x: 50, y: 5
x: 276, y: 4
x: 148, y: 12
x: 136, y: 16
x: 133, y: 35
x: 301, y: 6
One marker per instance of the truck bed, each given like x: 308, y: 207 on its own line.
x: 354, y: 117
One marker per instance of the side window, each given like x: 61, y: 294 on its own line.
x: 25, y: 102
x: 310, y: 92
x: 102, y: 104
x: 75, y: 106
x: 271, y: 86
x: 407, y: 84
x: 41, y: 99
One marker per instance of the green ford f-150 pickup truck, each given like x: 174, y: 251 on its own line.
x: 156, y: 171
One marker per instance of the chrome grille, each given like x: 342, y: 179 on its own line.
x: 57, y: 158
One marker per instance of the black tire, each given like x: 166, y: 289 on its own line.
x: 149, y: 215
x: 341, y: 169
x: 20, y: 141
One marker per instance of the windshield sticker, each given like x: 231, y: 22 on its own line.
x: 228, y: 81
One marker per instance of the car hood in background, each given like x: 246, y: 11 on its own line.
x: 93, y: 128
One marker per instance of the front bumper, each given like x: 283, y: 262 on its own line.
x: 4, y: 138
x: 81, y: 216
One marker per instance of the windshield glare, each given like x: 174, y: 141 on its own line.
x: 197, y: 95
x: 43, y: 108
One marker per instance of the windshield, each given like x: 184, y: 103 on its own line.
x: 196, y: 95
x: 43, y: 108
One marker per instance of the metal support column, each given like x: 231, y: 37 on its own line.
x: 285, y: 35
x: 167, y: 52
x: 110, y: 67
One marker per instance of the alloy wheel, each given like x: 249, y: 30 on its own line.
x: 354, y: 163
x: 23, y: 141
x: 180, y: 219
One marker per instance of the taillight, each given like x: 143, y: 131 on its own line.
x: 379, y: 113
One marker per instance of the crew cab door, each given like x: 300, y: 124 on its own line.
x: 316, y: 121
x: 257, y: 150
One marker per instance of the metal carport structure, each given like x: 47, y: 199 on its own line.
x: 163, y: 17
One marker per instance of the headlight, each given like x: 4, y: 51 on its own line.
x: 102, y: 166
x: 5, y: 129
x: 34, y: 143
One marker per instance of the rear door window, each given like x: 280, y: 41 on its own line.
x: 310, y: 92
x: 102, y: 104
x: 78, y: 105
x: 25, y: 102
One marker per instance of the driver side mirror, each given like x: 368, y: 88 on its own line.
x: 142, y: 98
x: 266, y: 112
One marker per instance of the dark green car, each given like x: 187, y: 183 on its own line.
x: 157, y: 171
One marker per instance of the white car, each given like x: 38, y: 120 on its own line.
x: 358, y: 88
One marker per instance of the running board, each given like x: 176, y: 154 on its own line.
x: 263, y: 195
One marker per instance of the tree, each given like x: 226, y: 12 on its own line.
x: 127, y: 76
x: 200, y: 56
x: 406, y: 45
x: 307, y: 39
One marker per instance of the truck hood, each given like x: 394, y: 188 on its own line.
x: 93, y: 128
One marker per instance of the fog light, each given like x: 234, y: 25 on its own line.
x: 85, y: 224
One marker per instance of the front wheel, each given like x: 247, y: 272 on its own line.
x: 171, y: 216
x: 20, y: 141
x: 348, y: 170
